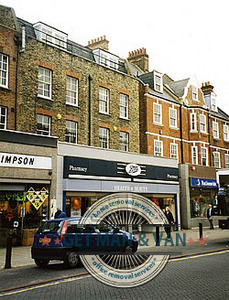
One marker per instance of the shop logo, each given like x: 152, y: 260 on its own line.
x: 133, y: 170
x: 128, y: 270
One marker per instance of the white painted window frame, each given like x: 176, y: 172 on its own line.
x: 194, y: 151
x: 157, y: 113
x: 4, y: 71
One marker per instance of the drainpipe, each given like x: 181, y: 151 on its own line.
x: 89, y: 109
x: 209, y: 141
x: 181, y: 136
x: 17, y: 71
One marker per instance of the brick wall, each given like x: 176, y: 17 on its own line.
x: 8, y: 47
x: 62, y: 64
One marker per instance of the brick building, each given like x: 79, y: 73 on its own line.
x: 86, y: 95
x: 9, y: 66
x: 180, y: 120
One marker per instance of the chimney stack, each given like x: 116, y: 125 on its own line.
x: 99, y: 43
x: 139, y: 58
x: 207, y: 88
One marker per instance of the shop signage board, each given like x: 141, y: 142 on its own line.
x: 203, y: 183
x: 99, y: 167
x: 25, y: 161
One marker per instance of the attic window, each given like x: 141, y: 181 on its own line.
x: 49, y: 35
x: 105, y: 58
x: 158, y: 84
x: 194, y: 93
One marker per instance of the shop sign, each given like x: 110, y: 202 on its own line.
x: 37, y: 198
x: 133, y: 170
x: 200, y: 182
x: 25, y: 161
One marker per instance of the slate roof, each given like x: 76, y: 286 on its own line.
x: 148, y: 78
x: 178, y: 86
x: 72, y: 47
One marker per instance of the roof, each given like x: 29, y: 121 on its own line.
x: 148, y: 78
x: 178, y: 86
x: 72, y: 47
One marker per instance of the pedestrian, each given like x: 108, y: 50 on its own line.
x: 170, y: 219
x: 59, y: 214
x: 209, y: 216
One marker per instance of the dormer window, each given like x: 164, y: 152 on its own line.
x: 158, y: 83
x: 50, y: 35
x: 210, y: 101
x: 195, y: 93
x: 105, y: 58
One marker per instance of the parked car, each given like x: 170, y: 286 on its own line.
x: 65, y: 239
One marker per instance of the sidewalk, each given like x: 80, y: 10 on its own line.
x: 215, y: 239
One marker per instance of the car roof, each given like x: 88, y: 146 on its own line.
x: 65, y: 219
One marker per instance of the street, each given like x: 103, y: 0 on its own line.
x: 203, y: 276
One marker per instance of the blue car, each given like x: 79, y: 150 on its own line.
x: 65, y: 239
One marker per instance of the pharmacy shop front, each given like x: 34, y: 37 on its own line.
x: 86, y: 174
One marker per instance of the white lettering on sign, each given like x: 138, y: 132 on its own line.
x: 78, y: 169
x: 172, y: 176
x: 133, y: 169
x: 25, y: 161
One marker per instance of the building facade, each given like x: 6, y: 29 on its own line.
x: 28, y: 165
x: 87, y: 174
x: 86, y: 95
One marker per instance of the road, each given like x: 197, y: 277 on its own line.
x: 203, y: 276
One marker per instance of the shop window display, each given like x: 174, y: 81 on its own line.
x: 199, y: 202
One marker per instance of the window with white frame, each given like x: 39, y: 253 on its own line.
x: 216, y: 157
x: 124, y: 141
x: 71, y: 132
x: 3, y: 115
x: 193, y: 122
x: 195, y: 93
x: 124, y: 106
x: 103, y: 100
x: 72, y: 91
x: 213, y: 103
x: 43, y: 125
x: 226, y: 132
x: 3, y: 70
x: 204, y: 156
x: 203, y: 123
x: 173, y: 150
x: 172, y: 117
x: 194, y: 155
x: 158, y: 148
x: 157, y: 114
x: 215, y: 130
x: 44, y: 83
x: 158, y: 82
x: 50, y: 35
x: 103, y: 137
x: 226, y: 160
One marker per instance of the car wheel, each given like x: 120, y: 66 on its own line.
x: 129, y: 250
x: 72, y: 259
x: 42, y: 263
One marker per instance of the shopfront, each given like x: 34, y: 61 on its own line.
x: 198, y: 190
x: 92, y: 173
x: 27, y: 182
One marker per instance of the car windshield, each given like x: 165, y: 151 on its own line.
x: 50, y: 227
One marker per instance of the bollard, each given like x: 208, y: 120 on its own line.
x: 157, y: 236
x: 201, y: 230
x: 8, y: 251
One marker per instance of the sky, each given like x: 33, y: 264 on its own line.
x: 182, y: 38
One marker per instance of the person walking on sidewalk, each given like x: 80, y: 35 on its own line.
x: 209, y: 216
x: 170, y: 218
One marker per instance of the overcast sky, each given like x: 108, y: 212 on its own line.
x: 182, y: 38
